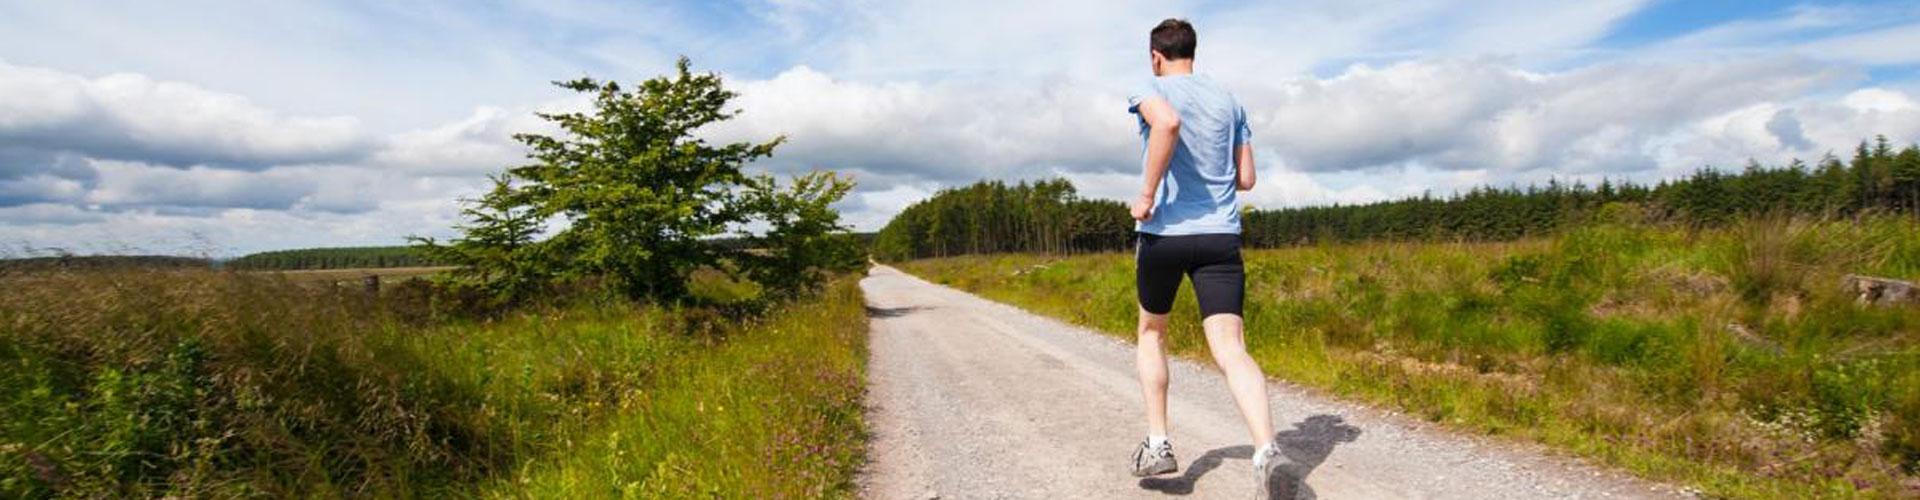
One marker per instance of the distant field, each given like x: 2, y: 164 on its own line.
x: 1730, y: 360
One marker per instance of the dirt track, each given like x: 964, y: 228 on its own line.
x: 970, y: 398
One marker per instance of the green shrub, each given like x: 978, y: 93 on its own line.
x: 1845, y: 395
x: 1903, y: 440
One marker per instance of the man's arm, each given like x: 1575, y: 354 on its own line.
x: 1163, y: 132
x: 1243, y: 162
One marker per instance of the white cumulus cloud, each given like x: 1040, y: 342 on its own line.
x: 1483, y: 114
x: 132, y: 117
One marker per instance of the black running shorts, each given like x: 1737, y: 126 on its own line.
x: 1212, y: 261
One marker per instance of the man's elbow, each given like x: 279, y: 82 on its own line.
x: 1245, y: 184
x: 1169, y: 125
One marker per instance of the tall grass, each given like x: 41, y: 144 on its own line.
x: 143, y: 382
x: 1727, y: 359
x: 769, y: 411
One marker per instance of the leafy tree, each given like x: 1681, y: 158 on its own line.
x: 639, y: 199
x: 638, y: 190
x: 496, y: 250
x: 804, y: 239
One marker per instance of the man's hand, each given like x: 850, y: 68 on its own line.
x: 1142, y: 207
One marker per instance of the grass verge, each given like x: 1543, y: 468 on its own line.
x: 191, y: 383
x: 767, y: 411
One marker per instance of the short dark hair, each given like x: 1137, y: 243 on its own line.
x: 1174, y: 38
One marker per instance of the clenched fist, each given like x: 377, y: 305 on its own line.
x: 1142, y: 207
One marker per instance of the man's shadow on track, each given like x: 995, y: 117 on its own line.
x: 1304, y: 447
x: 892, y: 312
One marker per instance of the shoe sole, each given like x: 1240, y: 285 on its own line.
x: 1171, y: 468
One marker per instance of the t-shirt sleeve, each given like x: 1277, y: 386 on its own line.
x: 1241, y: 134
x: 1140, y: 94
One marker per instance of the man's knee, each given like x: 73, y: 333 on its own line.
x: 1225, y: 335
x: 1222, y: 321
x: 1155, y: 324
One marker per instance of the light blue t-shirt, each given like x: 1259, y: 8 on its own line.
x: 1198, y: 195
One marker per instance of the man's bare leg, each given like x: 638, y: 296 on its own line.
x: 1225, y: 339
x: 1151, y: 359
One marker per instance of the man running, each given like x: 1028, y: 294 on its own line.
x: 1197, y: 157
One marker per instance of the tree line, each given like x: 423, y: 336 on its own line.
x: 1878, y: 178
x: 1048, y: 216
x: 334, y: 258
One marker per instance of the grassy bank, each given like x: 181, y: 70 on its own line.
x: 131, y: 383
x: 1729, y: 360
x: 770, y: 410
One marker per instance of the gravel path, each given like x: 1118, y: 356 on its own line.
x: 971, y: 398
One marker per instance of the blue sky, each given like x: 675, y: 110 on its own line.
x: 1671, y: 18
x: 228, y: 127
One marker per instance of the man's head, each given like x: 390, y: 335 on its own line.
x: 1171, y: 44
